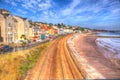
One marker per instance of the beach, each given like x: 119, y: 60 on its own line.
x: 110, y: 49
x: 85, y: 44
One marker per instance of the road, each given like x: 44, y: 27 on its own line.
x: 55, y: 63
x: 19, y: 48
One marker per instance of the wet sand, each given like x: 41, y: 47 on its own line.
x: 87, y: 48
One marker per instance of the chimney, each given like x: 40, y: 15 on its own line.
x: 3, y: 11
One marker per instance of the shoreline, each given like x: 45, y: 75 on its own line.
x: 87, y: 49
x: 110, y: 49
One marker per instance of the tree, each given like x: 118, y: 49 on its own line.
x: 79, y: 28
x: 50, y: 24
x: 23, y: 42
x: 63, y: 25
x: 82, y: 29
x: 70, y: 27
x: 55, y: 24
x: 23, y: 37
x: 59, y: 25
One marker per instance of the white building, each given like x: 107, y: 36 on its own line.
x: 7, y: 27
x: 26, y: 27
x: 22, y: 27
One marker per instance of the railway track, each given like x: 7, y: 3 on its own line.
x: 55, y: 63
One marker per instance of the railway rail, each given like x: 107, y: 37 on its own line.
x: 55, y: 63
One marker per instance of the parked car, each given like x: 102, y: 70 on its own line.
x: 19, y: 41
x: 29, y: 41
x: 39, y: 40
x: 1, y: 47
x: 6, y: 48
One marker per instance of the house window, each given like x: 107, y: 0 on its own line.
x: 0, y: 31
x: 1, y: 39
x: 10, y: 39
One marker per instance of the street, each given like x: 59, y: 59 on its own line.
x: 19, y: 48
x: 55, y: 63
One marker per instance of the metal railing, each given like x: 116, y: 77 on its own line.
x: 28, y: 46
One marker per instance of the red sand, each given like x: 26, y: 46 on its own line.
x: 87, y: 48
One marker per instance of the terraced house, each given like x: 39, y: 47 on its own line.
x: 8, y: 28
x: 22, y: 27
x: 12, y: 27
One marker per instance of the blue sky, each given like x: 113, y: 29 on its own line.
x: 99, y: 14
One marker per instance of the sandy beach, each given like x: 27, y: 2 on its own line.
x: 87, y: 48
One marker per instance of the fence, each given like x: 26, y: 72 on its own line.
x: 28, y: 46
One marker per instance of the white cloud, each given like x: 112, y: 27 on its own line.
x: 70, y: 8
x: 49, y: 14
x: 116, y: 11
x: 30, y: 4
x: 21, y: 11
x: 96, y: 8
x: 74, y: 3
x: 38, y: 0
x: 45, y: 12
x: 37, y: 5
x: 12, y: 2
x: 44, y: 5
x: 52, y: 14
x: 83, y: 18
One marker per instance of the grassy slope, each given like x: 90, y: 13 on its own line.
x: 14, y: 65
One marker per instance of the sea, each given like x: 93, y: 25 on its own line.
x: 109, y: 34
x: 115, y: 35
x: 109, y: 43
